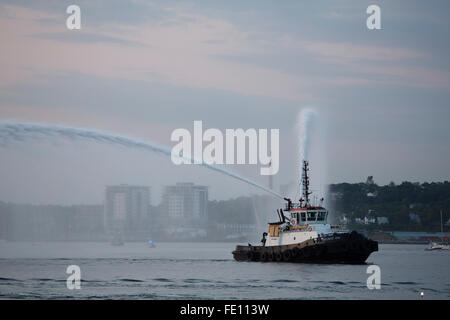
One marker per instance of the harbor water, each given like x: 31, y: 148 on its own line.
x: 208, y: 271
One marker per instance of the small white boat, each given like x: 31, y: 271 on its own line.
x: 436, y: 246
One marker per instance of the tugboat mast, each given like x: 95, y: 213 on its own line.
x: 305, y: 182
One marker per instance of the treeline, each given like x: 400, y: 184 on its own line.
x: 396, y: 202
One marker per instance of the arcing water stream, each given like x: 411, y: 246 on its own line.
x: 19, y: 131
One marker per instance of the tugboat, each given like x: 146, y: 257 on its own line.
x: 306, y: 237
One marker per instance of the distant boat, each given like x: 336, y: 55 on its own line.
x: 436, y: 246
x: 151, y: 244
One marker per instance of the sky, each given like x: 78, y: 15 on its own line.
x: 145, y: 68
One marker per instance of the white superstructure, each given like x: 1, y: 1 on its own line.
x: 305, y: 223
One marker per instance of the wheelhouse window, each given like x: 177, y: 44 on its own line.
x: 311, y: 216
x: 303, y: 215
x: 321, y: 216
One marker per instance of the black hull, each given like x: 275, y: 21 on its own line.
x: 348, y: 248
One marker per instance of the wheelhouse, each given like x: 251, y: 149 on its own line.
x: 308, y: 215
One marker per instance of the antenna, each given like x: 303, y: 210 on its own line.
x: 305, y: 182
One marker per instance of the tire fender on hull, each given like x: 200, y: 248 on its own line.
x: 287, y: 255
